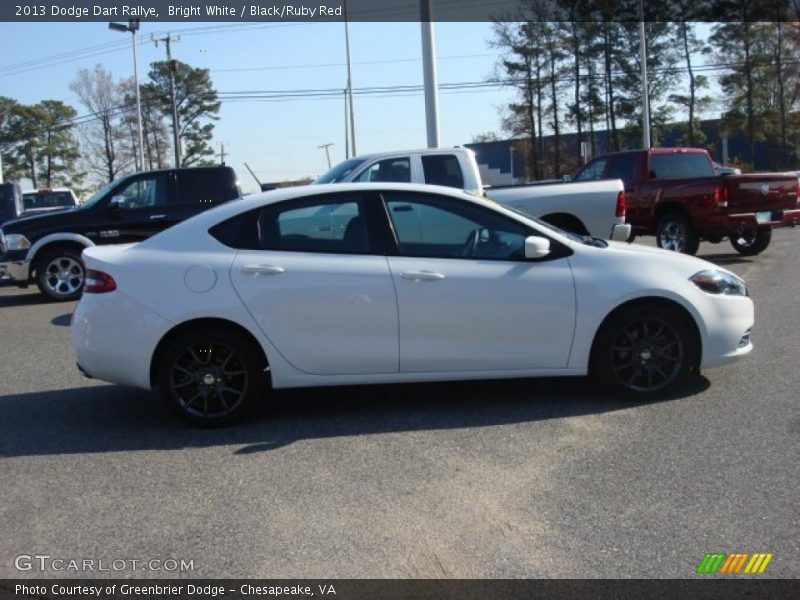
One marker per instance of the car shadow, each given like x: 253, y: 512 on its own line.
x: 726, y: 259
x: 22, y: 299
x: 62, y: 320
x: 108, y: 418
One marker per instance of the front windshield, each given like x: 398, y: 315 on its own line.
x: 339, y: 172
x: 99, y: 194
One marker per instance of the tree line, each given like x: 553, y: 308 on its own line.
x: 51, y: 145
x: 576, y: 66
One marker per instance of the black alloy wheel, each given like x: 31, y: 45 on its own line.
x: 212, y: 376
x: 644, y: 352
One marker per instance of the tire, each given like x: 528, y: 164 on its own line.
x: 60, y: 274
x: 567, y: 223
x: 675, y: 232
x: 211, y: 376
x: 751, y: 242
x: 644, y: 352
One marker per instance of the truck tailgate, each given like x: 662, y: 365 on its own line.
x: 757, y: 193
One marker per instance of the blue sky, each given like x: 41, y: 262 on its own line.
x: 280, y: 139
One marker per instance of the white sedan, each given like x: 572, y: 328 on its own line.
x: 364, y: 283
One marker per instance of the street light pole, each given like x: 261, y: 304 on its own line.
x: 132, y: 27
x: 429, y: 73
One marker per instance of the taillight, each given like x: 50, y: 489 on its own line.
x: 797, y: 195
x: 98, y: 282
x: 720, y: 196
x: 621, y: 205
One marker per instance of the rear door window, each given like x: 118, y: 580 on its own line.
x: 335, y: 223
x: 443, y: 169
x: 205, y: 187
x: 622, y: 167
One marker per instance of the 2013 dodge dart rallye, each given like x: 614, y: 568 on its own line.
x: 46, y: 248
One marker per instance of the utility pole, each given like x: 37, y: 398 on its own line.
x: 346, y: 125
x: 429, y: 71
x: 645, y: 95
x: 349, y: 80
x: 172, y: 67
x: 221, y: 154
x: 327, y: 153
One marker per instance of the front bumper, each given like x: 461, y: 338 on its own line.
x: 621, y: 232
x: 15, y: 271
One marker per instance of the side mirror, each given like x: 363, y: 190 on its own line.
x: 117, y: 201
x: 536, y: 247
x: 566, y: 178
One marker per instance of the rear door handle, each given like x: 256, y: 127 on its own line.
x: 422, y: 276
x: 262, y: 270
x: 152, y: 217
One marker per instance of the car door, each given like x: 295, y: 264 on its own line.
x: 468, y: 300
x: 307, y: 275
x: 137, y: 209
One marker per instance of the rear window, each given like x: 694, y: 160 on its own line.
x: 32, y: 200
x: 680, y: 166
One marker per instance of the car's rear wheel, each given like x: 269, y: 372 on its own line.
x: 751, y: 241
x: 675, y: 232
x: 211, y: 376
x: 645, y: 351
x: 60, y: 274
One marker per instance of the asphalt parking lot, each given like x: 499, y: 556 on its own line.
x: 534, y: 478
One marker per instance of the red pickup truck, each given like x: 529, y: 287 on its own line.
x: 675, y: 194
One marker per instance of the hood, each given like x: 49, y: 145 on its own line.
x: 658, y: 258
x: 42, y: 214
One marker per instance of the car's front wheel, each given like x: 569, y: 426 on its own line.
x: 645, y: 351
x: 60, y: 274
x: 211, y: 376
x: 752, y: 241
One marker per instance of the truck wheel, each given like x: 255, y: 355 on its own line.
x: 675, y: 232
x: 60, y: 274
x: 751, y: 241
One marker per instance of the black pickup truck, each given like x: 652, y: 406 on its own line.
x: 46, y: 248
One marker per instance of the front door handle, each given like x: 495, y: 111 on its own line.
x: 422, y: 276
x: 262, y: 270
x: 152, y: 217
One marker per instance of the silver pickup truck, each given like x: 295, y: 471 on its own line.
x: 594, y: 208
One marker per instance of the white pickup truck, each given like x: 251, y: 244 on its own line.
x: 595, y: 208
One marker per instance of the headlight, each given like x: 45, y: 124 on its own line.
x: 15, y: 241
x: 719, y: 282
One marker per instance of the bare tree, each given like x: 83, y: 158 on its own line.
x: 105, y: 150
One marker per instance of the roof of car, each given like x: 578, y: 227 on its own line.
x: 375, y: 155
